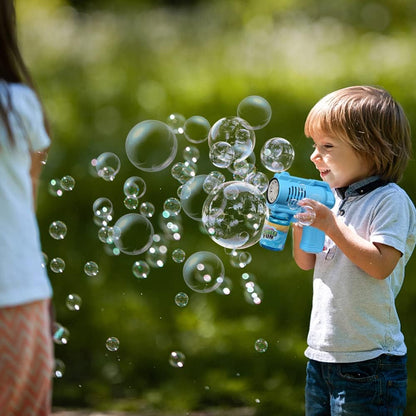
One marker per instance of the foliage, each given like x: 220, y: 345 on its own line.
x: 100, y: 72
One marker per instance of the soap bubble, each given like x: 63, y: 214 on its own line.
x: 221, y: 154
x: 225, y: 287
x: 196, y: 129
x: 68, y: 183
x: 182, y: 172
x: 57, y: 230
x: 131, y: 202
x: 233, y: 214
x: 157, y: 252
x: 181, y: 299
x: 171, y: 207
x: 135, y: 235
x: 112, y: 344
x: 151, y: 145
x: 134, y: 186
x: 306, y: 216
x: 102, y: 208
x: 57, y: 265
x: 140, y: 269
x: 240, y: 259
x: 203, y: 272
x: 191, y: 154
x: 277, y: 154
x: 91, y: 268
x: 261, y: 345
x: 45, y: 260
x: 73, y: 302
x: 236, y: 132
x: 60, y: 334
x: 193, y: 197
x: 256, y: 110
x: 55, y: 188
x: 171, y: 226
x: 178, y: 255
x: 58, y: 368
x: 177, y: 359
x: 259, y: 180
x: 176, y: 121
x: 213, y: 180
x: 108, y: 234
x: 253, y: 293
x: 107, y: 165
x: 147, y: 209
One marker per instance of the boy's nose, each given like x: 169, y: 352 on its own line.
x: 315, y: 155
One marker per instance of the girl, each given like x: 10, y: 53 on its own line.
x: 26, y: 356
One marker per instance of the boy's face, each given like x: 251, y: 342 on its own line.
x: 338, y: 163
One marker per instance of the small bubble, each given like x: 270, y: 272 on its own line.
x: 107, y: 165
x: 178, y: 255
x: 55, y: 188
x: 68, y: 183
x: 60, y: 334
x: 112, y: 344
x: 261, y: 345
x: 57, y: 265
x: 181, y: 299
x: 57, y: 230
x: 91, y: 268
x: 73, y: 302
x: 131, y: 202
x: 141, y: 269
x: 177, y: 359
x: 59, y: 368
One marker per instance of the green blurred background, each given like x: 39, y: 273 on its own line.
x: 103, y: 66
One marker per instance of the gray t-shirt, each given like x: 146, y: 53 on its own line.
x: 354, y: 317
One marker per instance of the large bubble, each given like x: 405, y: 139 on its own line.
x: 196, y: 129
x: 151, y: 145
x: 277, y: 154
x: 193, y: 197
x: 233, y: 214
x: 135, y: 234
x: 203, y: 272
x: 236, y: 132
x: 256, y: 110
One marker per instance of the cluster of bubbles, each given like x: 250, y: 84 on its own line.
x: 230, y: 212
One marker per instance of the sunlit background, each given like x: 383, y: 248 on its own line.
x: 125, y: 340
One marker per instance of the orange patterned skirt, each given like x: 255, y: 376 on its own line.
x: 26, y: 360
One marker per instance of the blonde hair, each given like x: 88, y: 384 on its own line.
x: 371, y: 121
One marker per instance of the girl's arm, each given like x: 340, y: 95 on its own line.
x: 35, y: 170
x: 306, y: 261
x: 377, y: 260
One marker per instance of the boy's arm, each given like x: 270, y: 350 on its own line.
x: 306, y: 261
x: 377, y: 260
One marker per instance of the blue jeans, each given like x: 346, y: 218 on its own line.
x: 375, y: 387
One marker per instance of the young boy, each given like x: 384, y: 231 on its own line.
x: 356, y: 350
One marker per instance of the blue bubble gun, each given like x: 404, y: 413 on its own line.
x: 283, y: 193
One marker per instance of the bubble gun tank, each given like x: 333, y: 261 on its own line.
x: 283, y: 193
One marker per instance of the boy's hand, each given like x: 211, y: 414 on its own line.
x: 324, y: 217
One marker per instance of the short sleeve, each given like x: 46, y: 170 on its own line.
x: 393, y: 222
x: 29, y: 110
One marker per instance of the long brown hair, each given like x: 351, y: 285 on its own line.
x: 12, y: 66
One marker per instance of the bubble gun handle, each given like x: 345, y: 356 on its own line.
x: 283, y: 193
